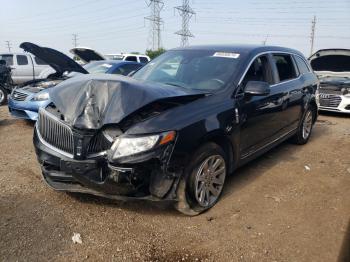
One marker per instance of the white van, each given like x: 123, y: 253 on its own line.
x: 26, y: 67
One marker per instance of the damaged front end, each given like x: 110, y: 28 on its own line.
x: 105, y: 160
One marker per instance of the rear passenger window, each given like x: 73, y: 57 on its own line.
x: 38, y: 61
x: 143, y: 59
x: 285, y: 67
x: 303, y: 68
x: 131, y: 58
x: 260, y: 70
x: 22, y: 60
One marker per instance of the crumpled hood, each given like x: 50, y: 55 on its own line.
x: 89, y: 102
x: 57, y: 60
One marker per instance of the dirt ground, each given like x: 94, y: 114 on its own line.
x: 273, y: 209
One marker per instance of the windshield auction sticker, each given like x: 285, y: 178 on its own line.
x: 226, y: 54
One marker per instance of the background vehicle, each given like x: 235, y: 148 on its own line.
x: 26, y: 67
x: 129, y: 57
x: 26, y: 101
x: 332, y: 66
x: 179, y: 127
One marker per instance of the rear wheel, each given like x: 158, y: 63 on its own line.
x: 305, y: 128
x: 3, y: 95
x: 203, y: 181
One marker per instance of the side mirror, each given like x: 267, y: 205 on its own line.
x: 257, y: 88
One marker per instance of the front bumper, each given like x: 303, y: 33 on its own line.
x: 26, y: 109
x: 146, y: 180
x: 333, y: 103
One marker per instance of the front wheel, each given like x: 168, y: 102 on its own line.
x: 3, y: 95
x: 203, y: 181
x: 305, y: 127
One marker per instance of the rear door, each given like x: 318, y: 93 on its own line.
x: 260, y: 115
x: 291, y: 85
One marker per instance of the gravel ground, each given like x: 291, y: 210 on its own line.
x: 273, y: 209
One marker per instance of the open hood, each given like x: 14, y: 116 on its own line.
x: 331, y: 60
x: 91, y: 101
x: 87, y: 54
x: 57, y: 60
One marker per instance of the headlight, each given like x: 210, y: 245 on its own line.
x: 41, y: 96
x: 127, y: 146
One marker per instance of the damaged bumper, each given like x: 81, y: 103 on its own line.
x: 334, y: 103
x: 146, y: 179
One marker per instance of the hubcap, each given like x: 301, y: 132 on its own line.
x: 2, y: 96
x: 307, y: 124
x: 210, y: 180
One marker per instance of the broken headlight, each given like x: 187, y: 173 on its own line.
x: 126, y: 146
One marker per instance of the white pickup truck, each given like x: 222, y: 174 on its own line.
x: 26, y: 67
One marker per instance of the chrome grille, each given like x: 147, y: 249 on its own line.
x: 328, y: 100
x: 55, y: 132
x: 18, y: 96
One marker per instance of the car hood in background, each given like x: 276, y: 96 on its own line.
x: 331, y: 60
x: 57, y: 60
x: 89, y: 102
x: 87, y: 54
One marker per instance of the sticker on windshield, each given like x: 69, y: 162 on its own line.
x: 226, y: 54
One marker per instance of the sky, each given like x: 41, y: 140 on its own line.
x: 113, y: 26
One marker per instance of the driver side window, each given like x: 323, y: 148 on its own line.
x: 259, y: 70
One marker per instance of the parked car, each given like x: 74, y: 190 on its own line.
x: 175, y: 134
x: 129, y: 57
x: 25, y: 101
x: 26, y: 67
x: 333, y: 69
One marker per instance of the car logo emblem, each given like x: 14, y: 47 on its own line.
x: 324, y: 96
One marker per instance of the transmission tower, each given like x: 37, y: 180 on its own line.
x: 156, y: 21
x: 312, y: 35
x: 75, y: 40
x: 8, y: 44
x: 186, y: 12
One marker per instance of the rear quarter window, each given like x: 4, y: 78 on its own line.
x: 8, y: 59
x: 22, y: 60
x: 38, y: 61
x: 302, y: 66
x: 143, y: 59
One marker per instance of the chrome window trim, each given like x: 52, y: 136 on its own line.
x: 271, y: 52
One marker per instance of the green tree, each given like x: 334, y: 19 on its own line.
x: 154, y: 53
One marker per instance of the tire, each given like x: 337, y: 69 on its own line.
x: 203, y: 180
x: 305, y: 127
x: 3, y: 96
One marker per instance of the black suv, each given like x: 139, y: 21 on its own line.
x: 178, y: 127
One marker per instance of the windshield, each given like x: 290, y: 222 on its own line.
x: 95, y: 68
x: 193, y: 69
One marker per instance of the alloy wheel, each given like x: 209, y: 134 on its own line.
x: 210, y: 180
x: 307, y: 124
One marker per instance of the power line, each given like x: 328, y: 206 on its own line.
x: 75, y: 40
x: 154, y: 38
x: 186, y: 12
x: 8, y: 44
x: 312, y: 36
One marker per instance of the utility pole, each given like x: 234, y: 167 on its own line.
x: 154, y: 38
x: 186, y: 12
x: 8, y: 44
x: 75, y: 40
x: 265, y: 40
x: 312, y: 36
